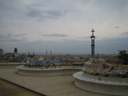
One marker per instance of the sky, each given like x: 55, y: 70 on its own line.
x: 63, y: 26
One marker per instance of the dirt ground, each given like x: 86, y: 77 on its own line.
x: 8, y: 89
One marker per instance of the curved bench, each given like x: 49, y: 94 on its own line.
x: 50, y: 71
x: 99, y: 84
x: 10, y: 64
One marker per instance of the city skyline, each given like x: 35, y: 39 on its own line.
x: 63, y: 26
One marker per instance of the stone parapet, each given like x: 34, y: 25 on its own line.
x: 99, y: 84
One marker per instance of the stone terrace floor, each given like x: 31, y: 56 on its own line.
x: 62, y: 85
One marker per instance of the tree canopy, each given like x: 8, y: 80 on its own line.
x: 123, y: 56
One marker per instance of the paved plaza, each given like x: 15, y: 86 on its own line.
x: 9, y: 89
x: 62, y: 85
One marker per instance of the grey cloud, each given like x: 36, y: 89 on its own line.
x: 7, y: 4
x: 111, y: 44
x: 15, y: 12
x: 12, y: 40
x: 47, y: 35
x: 2, y: 36
x: 75, y: 46
x: 54, y: 12
x: 112, y: 10
x: 19, y: 35
x: 16, y: 40
x: 87, y: 37
x: 9, y: 35
x: 113, y: 5
x: 64, y: 47
x: 12, y: 9
x: 55, y: 35
x: 8, y: 38
x: 36, y: 12
x: 125, y: 33
x: 117, y: 27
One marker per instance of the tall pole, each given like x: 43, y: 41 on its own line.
x: 46, y: 53
x: 50, y: 52
x: 92, y: 44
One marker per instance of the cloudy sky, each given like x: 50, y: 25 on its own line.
x: 63, y: 26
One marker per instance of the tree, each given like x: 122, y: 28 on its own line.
x: 123, y: 56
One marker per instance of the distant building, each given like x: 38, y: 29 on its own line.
x: 1, y: 52
x: 28, y: 53
x: 8, y: 54
x: 33, y: 53
x: 23, y: 55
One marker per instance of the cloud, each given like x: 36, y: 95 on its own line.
x: 12, y: 40
x: 55, y: 35
x: 9, y: 38
x: 125, y: 33
x: 19, y: 35
x: 117, y: 27
x: 73, y: 46
x: 35, y: 13
x: 83, y: 38
x: 70, y: 17
x: 64, y: 47
x: 86, y: 37
x: 54, y: 12
x: 112, y: 44
x: 9, y: 35
x: 45, y: 13
x: 16, y: 40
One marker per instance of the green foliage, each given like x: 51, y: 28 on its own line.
x: 9, y: 59
x: 123, y: 56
